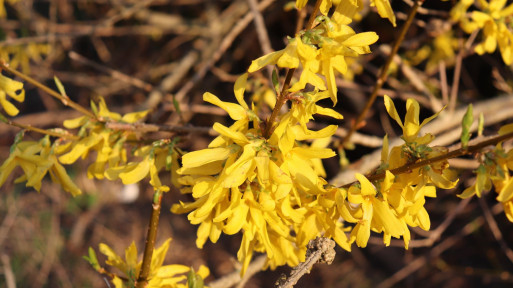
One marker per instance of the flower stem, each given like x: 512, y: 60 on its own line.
x: 282, y: 98
x: 452, y: 154
x: 64, y: 99
x: 142, y: 279
x: 38, y: 130
x: 384, y: 73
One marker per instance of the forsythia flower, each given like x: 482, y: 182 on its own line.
x: 36, y: 160
x: 397, y: 201
x: 493, y: 19
x: 496, y: 169
x: 9, y: 87
x: 261, y: 187
x: 168, y: 276
x: 321, y: 51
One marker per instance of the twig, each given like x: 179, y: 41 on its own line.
x: 223, y: 46
x: 63, y: 98
x: 320, y: 250
x: 384, y: 73
x: 418, y: 263
x: 494, y: 110
x: 452, y: 154
x: 434, y: 235
x: 142, y: 279
x: 233, y: 278
x: 497, y: 234
x: 29, y: 127
x: 10, y: 280
x: 282, y: 97
x: 263, y: 35
x: 457, y: 71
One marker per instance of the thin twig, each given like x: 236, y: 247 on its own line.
x: 497, y: 234
x: 457, y: 71
x: 384, y: 73
x: 263, y: 35
x: 452, y: 154
x: 418, y: 263
x: 320, y: 250
x: 282, y: 97
x: 142, y: 279
x: 63, y: 98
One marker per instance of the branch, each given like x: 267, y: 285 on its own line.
x: 142, y: 279
x: 384, y: 73
x: 320, y: 250
x: 452, y: 154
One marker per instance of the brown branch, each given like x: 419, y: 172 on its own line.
x: 63, y: 98
x: 384, y: 73
x: 320, y: 250
x: 452, y: 154
x: 142, y: 279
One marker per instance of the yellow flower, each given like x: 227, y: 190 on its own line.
x: 9, y: 87
x: 492, y: 19
x: 169, y: 276
x: 36, y: 160
x: 411, y: 126
x: 384, y: 10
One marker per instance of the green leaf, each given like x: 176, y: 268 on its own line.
x: 60, y: 86
x: 194, y: 280
x: 92, y: 259
x: 480, y: 124
x: 276, y: 82
x: 17, y: 139
x: 177, y: 105
x: 94, y: 107
x: 468, y: 118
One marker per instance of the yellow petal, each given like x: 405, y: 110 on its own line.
x: 389, y: 104
x: 367, y: 188
x: 76, y: 122
x: 361, y: 39
x: 134, y: 116
x: 205, y: 156
x: 506, y: 193
x: 235, y: 111
x: 236, y: 136
x: 9, y: 108
x: 265, y: 60
x: 238, y: 90
x: 137, y: 173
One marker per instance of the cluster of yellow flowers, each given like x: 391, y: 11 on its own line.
x: 244, y: 181
x: 383, y: 6
x: 167, y: 276
x: 13, y: 89
x: 496, y: 168
x: 493, y: 19
x: 397, y: 201
x: 322, y: 50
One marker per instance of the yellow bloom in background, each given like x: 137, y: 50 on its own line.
x: 37, y: 159
x: 492, y: 18
x: 13, y: 89
x: 384, y: 10
x: 163, y: 276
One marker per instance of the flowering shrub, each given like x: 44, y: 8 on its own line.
x: 263, y: 175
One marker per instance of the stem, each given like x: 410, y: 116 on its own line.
x: 384, y: 72
x: 64, y: 99
x: 142, y: 279
x: 38, y: 130
x: 452, y: 154
x: 282, y: 98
